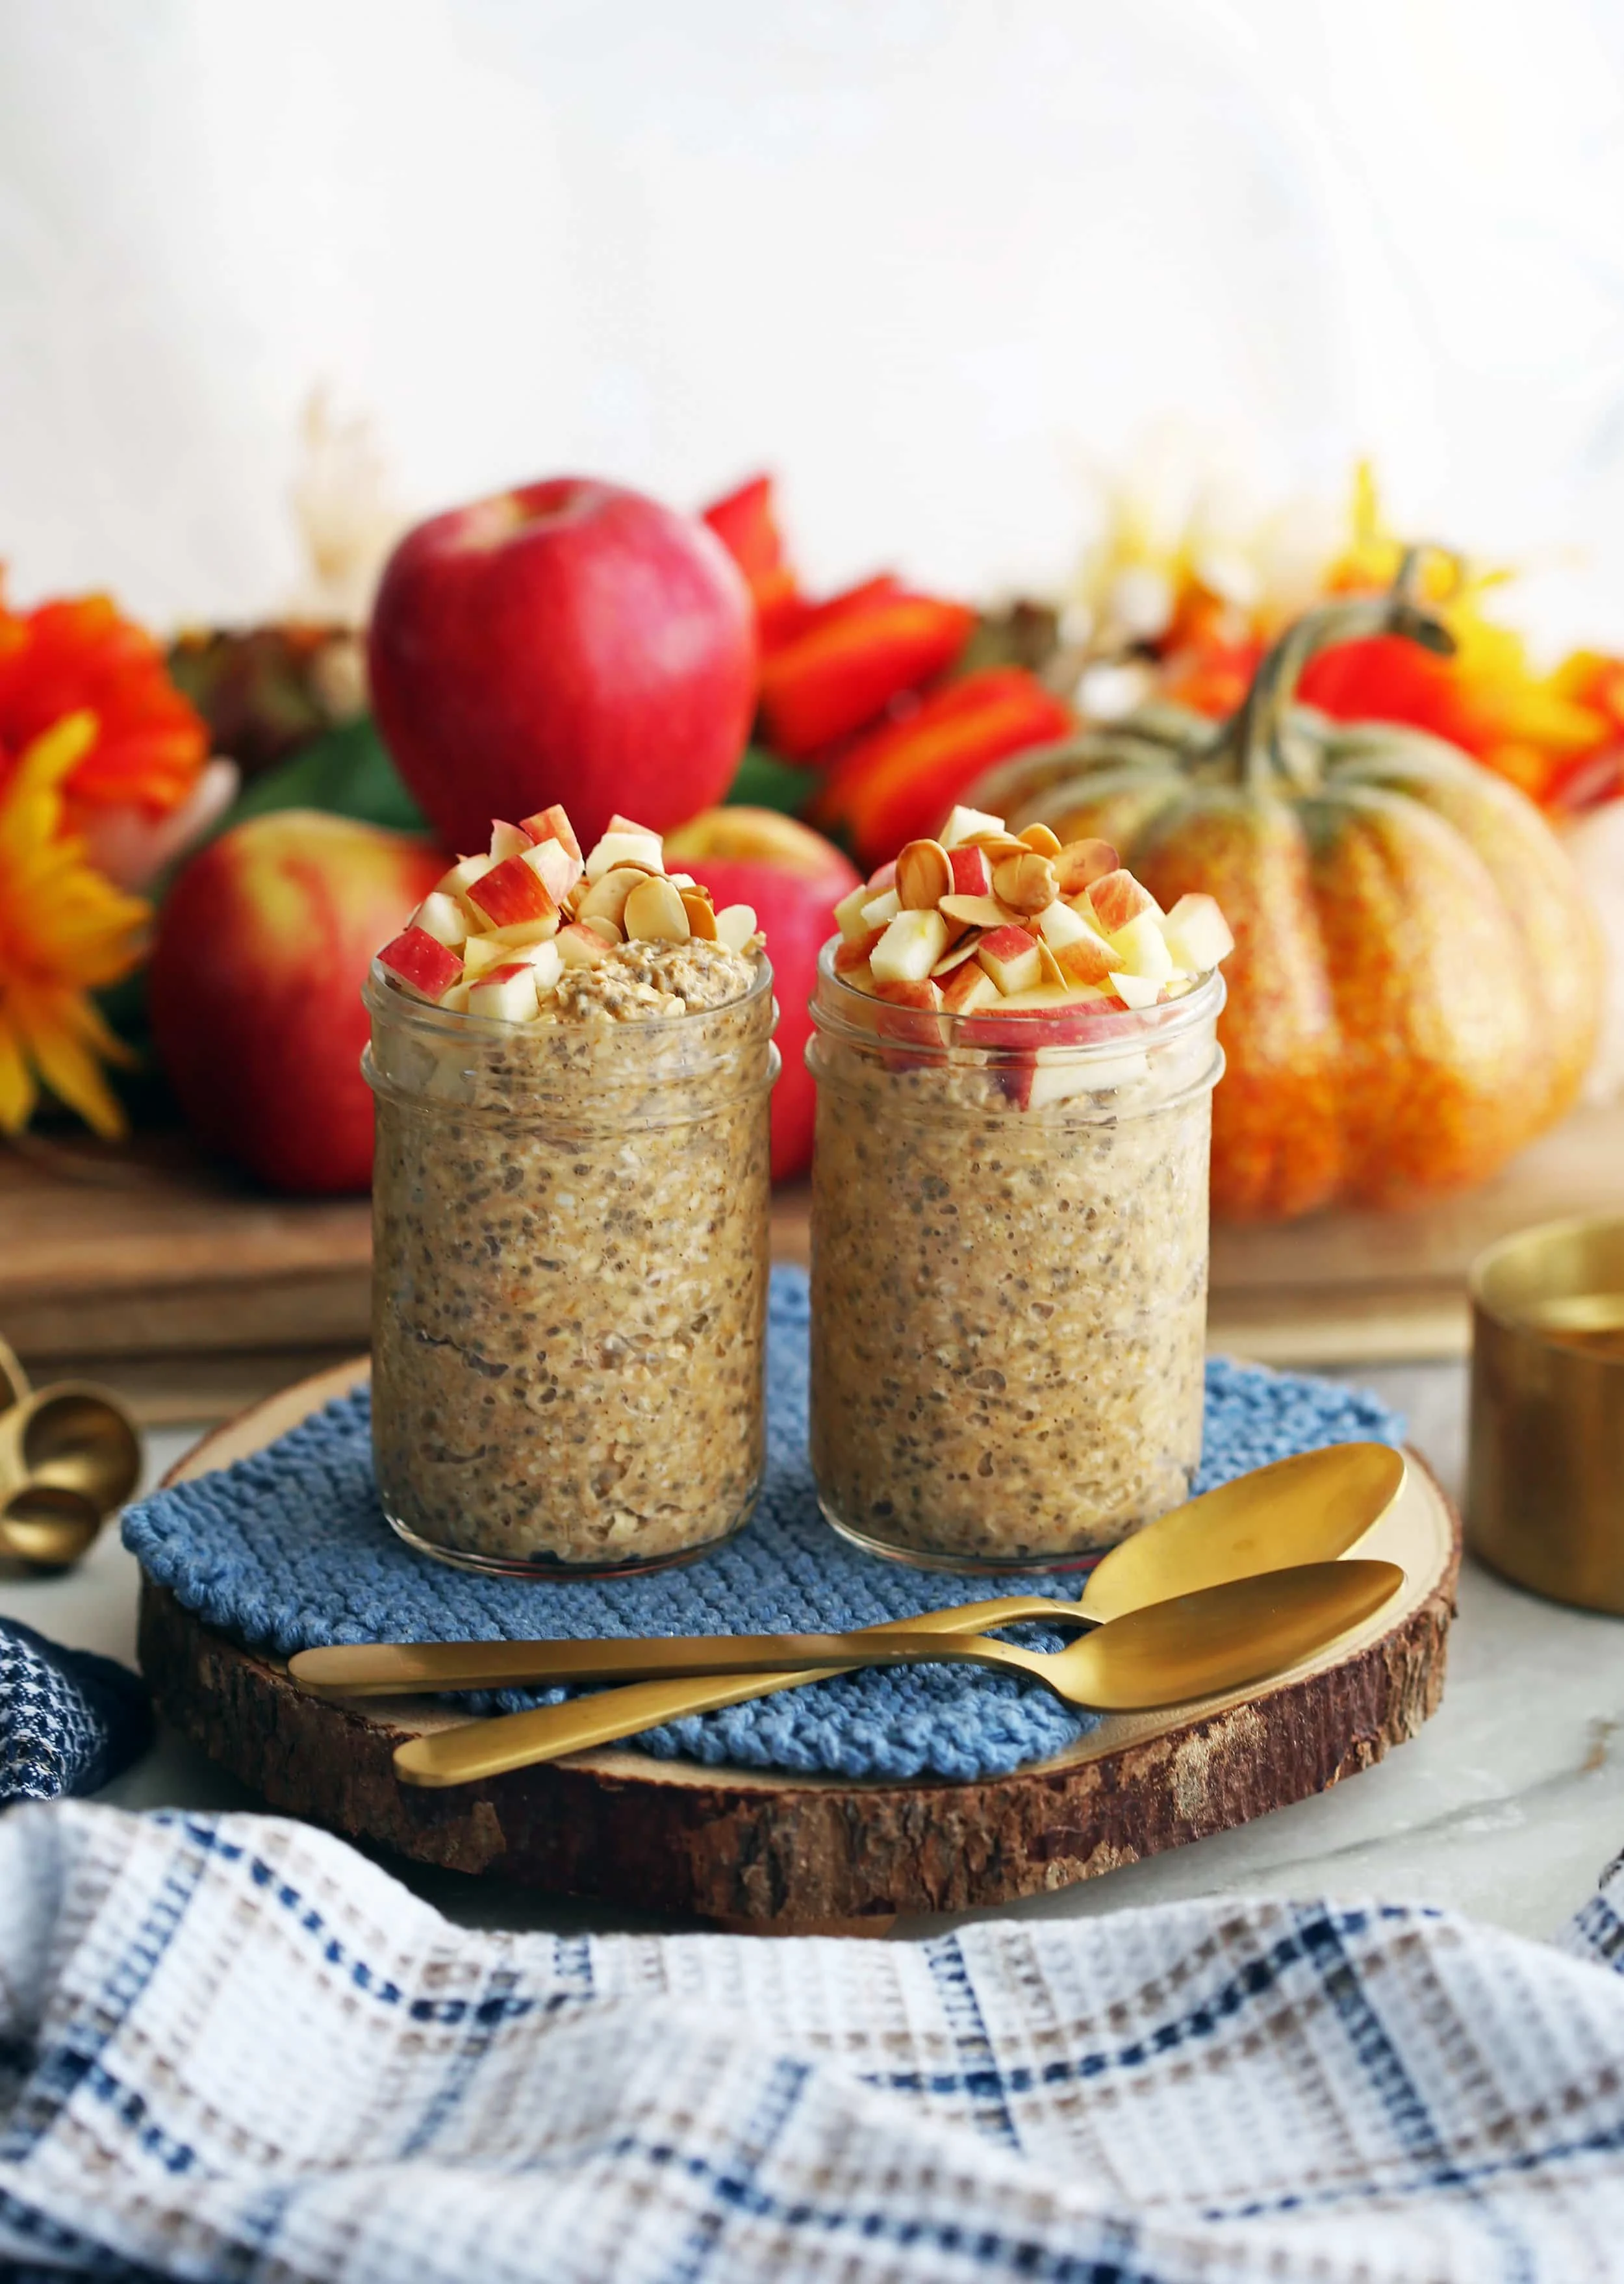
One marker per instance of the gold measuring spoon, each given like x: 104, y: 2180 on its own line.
x: 1309, y: 1508
x: 1165, y: 1654
x: 46, y: 1526
x: 13, y: 1379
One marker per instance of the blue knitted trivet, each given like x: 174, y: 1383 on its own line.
x: 69, y: 1720
x: 289, y: 1549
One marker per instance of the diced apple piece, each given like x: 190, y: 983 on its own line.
x: 642, y: 849
x: 522, y: 932
x: 1197, y: 935
x: 442, y: 917
x: 973, y: 875
x: 546, y: 963
x: 1060, y: 1076
x: 923, y: 994
x: 507, y: 992
x: 1136, y: 991
x: 1081, y: 863
x: 848, y: 914
x: 1058, y: 924
x: 482, y: 954
x: 860, y: 976
x: 510, y: 894
x: 912, y: 1013
x: 855, y: 951
x: 553, y: 867
x: 424, y: 964
x: 553, y: 824
x: 507, y: 840
x: 1141, y: 948
x: 1011, y: 958
x: 910, y: 947
x: 1116, y: 898
x: 580, y: 945
x: 462, y: 876
x: 1085, y: 959
x: 883, y: 876
x: 736, y: 926
x: 654, y: 914
x: 607, y: 897
x: 963, y: 822
x: 456, y: 1000
x: 604, y: 930
x: 975, y: 911
x: 968, y: 988
x: 882, y: 908
x: 619, y: 823
x: 924, y: 876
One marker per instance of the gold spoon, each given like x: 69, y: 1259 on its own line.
x: 1309, y: 1508
x: 1190, y: 1646
x: 71, y: 1437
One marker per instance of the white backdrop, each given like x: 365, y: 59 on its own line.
x: 934, y: 260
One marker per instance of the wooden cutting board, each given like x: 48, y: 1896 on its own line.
x: 785, y: 1853
x: 195, y: 1295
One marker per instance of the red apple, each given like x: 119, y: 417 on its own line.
x: 794, y: 878
x: 567, y: 641
x: 254, y: 990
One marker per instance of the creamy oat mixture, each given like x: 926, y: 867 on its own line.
x: 570, y: 1261
x: 1009, y: 1312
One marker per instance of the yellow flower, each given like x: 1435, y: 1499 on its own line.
x: 64, y: 931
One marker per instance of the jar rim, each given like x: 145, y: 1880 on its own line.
x: 380, y: 995
x: 1066, y: 1033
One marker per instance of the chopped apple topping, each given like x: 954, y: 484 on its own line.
x: 501, y: 931
x: 985, y: 919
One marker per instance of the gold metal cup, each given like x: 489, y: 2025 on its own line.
x: 1545, y: 1472
x: 71, y: 1437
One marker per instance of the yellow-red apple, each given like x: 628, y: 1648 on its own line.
x: 564, y: 641
x: 254, y: 990
x: 795, y: 879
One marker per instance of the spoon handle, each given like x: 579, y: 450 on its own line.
x: 516, y: 1740
x: 404, y: 1668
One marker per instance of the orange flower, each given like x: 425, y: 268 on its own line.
x: 64, y: 931
x: 148, y: 745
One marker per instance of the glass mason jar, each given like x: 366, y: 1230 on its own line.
x: 569, y: 1281
x: 1008, y: 1273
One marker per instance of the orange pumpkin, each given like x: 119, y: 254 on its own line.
x: 1417, y: 978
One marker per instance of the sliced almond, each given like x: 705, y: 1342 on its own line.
x: 736, y: 925
x: 973, y: 911
x: 655, y: 913
x: 1042, y: 838
x: 998, y: 846
x: 701, y: 914
x: 1026, y: 883
x: 603, y: 928
x: 924, y: 876
x: 956, y: 955
x: 605, y: 898
x: 1053, y: 972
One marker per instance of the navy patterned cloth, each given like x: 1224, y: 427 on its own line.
x: 289, y: 1549
x: 69, y: 1721
x: 234, y: 2052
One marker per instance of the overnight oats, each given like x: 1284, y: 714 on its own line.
x: 1015, y: 1052
x: 571, y: 1064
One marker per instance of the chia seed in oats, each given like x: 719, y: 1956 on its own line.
x: 1007, y: 1295
x: 570, y: 1262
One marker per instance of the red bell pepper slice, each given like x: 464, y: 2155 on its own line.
x: 746, y: 523
x: 899, y: 783
x: 859, y: 652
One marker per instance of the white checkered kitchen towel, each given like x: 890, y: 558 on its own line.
x: 230, y: 2047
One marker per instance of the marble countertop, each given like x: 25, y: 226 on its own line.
x: 1507, y: 1806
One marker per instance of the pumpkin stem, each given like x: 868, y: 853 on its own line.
x: 1252, y: 738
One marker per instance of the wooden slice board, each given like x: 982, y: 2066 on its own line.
x: 781, y: 1852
